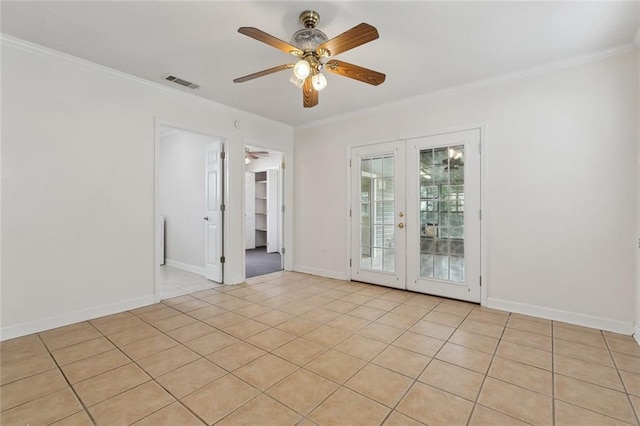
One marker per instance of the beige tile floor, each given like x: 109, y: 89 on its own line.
x: 290, y: 348
x: 177, y: 282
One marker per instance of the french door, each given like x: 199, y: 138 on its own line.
x: 377, y: 214
x: 416, y: 225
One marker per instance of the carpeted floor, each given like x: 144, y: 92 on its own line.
x: 259, y: 262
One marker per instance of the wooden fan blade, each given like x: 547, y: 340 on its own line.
x: 262, y: 73
x: 270, y: 40
x: 353, y: 71
x: 356, y: 36
x: 309, y: 94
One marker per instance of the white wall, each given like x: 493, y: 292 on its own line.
x: 559, y: 190
x: 78, y: 154
x: 181, y: 197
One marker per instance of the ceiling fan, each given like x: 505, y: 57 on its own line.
x: 313, y: 48
x: 253, y: 155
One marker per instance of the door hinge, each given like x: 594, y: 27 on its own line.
x: 480, y: 280
x: 349, y: 212
x: 349, y: 163
x: 222, y: 207
x: 283, y: 208
x: 223, y: 155
x: 222, y: 259
x: 480, y: 147
x: 480, y: 214
x: 350, y: 262
x: 284, y: 250
x: 283, y: 164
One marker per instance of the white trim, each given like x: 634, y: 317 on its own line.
x: 636, y: 334
x: 320, y: 272
x: 49, y: 323
x: 234, y: 279
x: 484, y: 220
x: 185, y: 267
x: 348, y: 212
x: 482, y: 84
x: 576, y: 318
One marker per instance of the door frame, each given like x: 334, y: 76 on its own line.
x: 282, y: 214
x: 484, y: 199
x: 156, y: 194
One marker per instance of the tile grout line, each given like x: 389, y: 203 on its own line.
x: 486, y: 374
x: 415, y: 380
x: 151, y: 378
x: 82, y: 404
x: 624, y: 386
x: 326, y: 289
x: 340, y: 385
x: 553, y: 375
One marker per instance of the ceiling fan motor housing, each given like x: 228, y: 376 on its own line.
x: 309, y: 18
x: 309, y: 38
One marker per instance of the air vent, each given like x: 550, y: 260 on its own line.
x: 182, y: 82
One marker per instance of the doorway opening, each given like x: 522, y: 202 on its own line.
x: 264, y: 215
x: 189, y: 210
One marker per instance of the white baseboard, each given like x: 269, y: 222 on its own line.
x: 584, y: 320
x: 49, y: 323
x: 321, y: 272
x: 636, y: 334
x: 185, y: 266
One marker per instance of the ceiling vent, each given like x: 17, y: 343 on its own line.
x: 182, y: 82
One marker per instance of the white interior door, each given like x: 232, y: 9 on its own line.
x: 272, y: 210
x: 378, y: 215
x: 443, y: 205
x: 213, y: 216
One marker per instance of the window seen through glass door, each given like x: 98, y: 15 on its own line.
x: 377, y: 230
x: 442, y: 213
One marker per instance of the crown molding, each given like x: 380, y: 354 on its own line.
x: 486, y: 83
x: 10, y: 41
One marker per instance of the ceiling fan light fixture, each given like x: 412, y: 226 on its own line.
x: 302, y: 69
x: 319, y: 81
x: 298, y: 82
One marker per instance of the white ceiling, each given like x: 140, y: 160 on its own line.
x: 423, y: 46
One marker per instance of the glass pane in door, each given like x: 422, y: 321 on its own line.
x: 377, y: 227
x: 442, y: 213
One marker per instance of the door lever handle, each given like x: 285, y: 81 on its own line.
x: 206, y: 218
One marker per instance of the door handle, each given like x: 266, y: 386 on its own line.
x: 206, y: 218
x: 401, y: 225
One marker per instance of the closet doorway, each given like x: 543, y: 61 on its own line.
x: 264, y: 177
